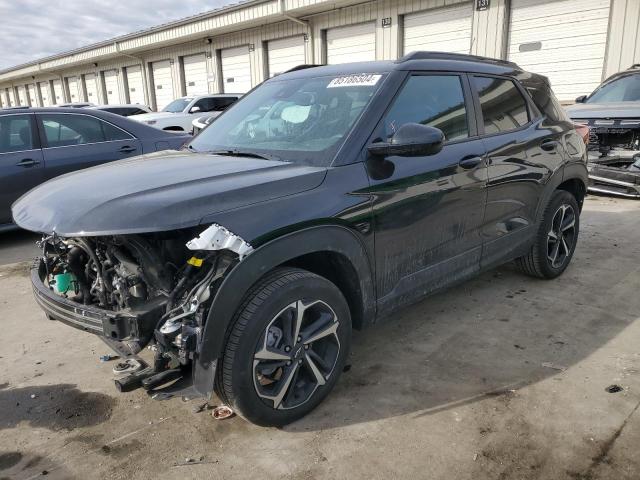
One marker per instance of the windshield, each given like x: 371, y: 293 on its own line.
x: 300, y: 120
x: 178, y: 105
x: 624, y: 89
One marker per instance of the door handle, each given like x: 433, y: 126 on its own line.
x: 127, y: 149
x: 549, y: 145
x: 27, y: 162
x: 470, y: 162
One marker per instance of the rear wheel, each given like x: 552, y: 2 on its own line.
x: 286, y: 349
x: 556, y: 238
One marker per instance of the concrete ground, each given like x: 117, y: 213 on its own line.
x: 502, y: 377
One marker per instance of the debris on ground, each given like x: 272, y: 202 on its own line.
x: 613, y: 389
x: 108, y: 357
x: 553, y: 366
x: 200, y: 407
x: 221, y: 412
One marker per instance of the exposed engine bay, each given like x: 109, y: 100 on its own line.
x: 139, y: 290
x: 614, y: 156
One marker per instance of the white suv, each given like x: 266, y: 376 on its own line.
x: 179, y: 114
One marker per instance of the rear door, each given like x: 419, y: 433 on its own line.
x: 521, y: 156
x: 21, y: 163
x: 73, y: 141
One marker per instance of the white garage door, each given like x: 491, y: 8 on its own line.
x: 3, y: 98
x: 74, y: 89
x: 12, y: 97
x: 91, y: 84
x: 111, y: 87
x: 22, y: 96
x: 33, y: 97
x: 163, y: 83
x: 354, y: 43
x: 57, y: 92
x: 195, y: 74
x: 45, y: 94
x: 441, y: 30
x: 135, y: 84
x: 285, y: 53
x: 564, y: 40
x: 236, y: 70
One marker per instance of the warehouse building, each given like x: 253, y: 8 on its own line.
x: 576, y: 43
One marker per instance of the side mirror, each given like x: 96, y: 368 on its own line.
x: 581, y: 99
x: 411, y: 140
x: 195, y: 109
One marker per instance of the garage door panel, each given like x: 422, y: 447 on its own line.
x: 45, y: 93
x: 163, y: 83
x: 91, y: 84
x: 236, y: 70
x: 353, y: 43
x: 195, y: 74
x: 564, y: 40
x: 444, y: 29
x: 33, y: 97
x: 284, y: 54
x: 135, y: 84
x: 111, y: 86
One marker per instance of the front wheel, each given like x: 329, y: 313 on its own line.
x: 556, y: 238
x: 286, y: 348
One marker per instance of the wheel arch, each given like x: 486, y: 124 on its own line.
x: 332, y: 251
x: 572, y: 178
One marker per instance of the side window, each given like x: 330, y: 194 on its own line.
x: 15, y: 133
x: 503, y: 106
x: 222, y: 103
x: 62, y: 130
x: 547, y: 102
x: 434, y: 100
x: 205, y: 104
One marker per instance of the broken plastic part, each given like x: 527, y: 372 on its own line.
x: 221, y: 412
x: 217, y: 237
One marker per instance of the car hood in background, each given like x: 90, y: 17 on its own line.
x: 157, y: 192
x: 604, y: 110
x: 145, y: 117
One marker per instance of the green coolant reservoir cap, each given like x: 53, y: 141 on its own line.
x: 63, y: 281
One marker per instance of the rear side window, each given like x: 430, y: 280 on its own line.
x: 15, y: 133
x: 70, y: 129
x: 434, y: 100
x: 547, y: 102
x: 503, y: 106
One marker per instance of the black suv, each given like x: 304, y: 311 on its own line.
x: 322, y: 201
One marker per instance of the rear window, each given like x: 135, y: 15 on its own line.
x: 503, y: 106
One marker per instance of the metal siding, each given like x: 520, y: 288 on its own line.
x: 195, y: 74
x: 163, y: 83
x: 91, y: 88
x: 353, y: 43
x: 135, y: 84
x: 446, y: 30
x: 623, y: 46
x: 572, y: 36
x: 285, y: 53
x: 236, y: 70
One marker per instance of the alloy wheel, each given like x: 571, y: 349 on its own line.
x: 296, y: 354
x: 561, y: 236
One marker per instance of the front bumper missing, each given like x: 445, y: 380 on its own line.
x: 117, y: 326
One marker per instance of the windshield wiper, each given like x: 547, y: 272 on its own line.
x: 243, y: 153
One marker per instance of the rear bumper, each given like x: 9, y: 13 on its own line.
x: 114, y: 325
x: 614, y: 181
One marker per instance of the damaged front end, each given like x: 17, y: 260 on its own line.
x: 614, y: 156
x: 142, y: 290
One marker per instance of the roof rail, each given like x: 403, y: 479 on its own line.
x: 453, y: 56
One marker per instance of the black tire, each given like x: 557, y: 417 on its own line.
x: 539, y: 262
x: 266, y: 309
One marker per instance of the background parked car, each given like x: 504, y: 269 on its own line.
x: 202, y: 122
x: 179, y: 114
x: 612, y: 114
x: 39, y: 144
x: 75, y: 105
x: 126, y: 110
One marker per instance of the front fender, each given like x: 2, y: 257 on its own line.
x: 323, y: 238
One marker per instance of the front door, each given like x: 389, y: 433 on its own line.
x: 20, y: 160
x: 74, y: 141
x: 428, y: 210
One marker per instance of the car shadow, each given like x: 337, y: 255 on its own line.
x: 489, y: 336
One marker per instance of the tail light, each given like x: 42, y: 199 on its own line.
x: 583, y: 131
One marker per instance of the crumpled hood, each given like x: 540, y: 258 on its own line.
x: 157, y: 192
x: 604, y: 110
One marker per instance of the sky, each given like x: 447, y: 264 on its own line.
x: 32, y: 29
